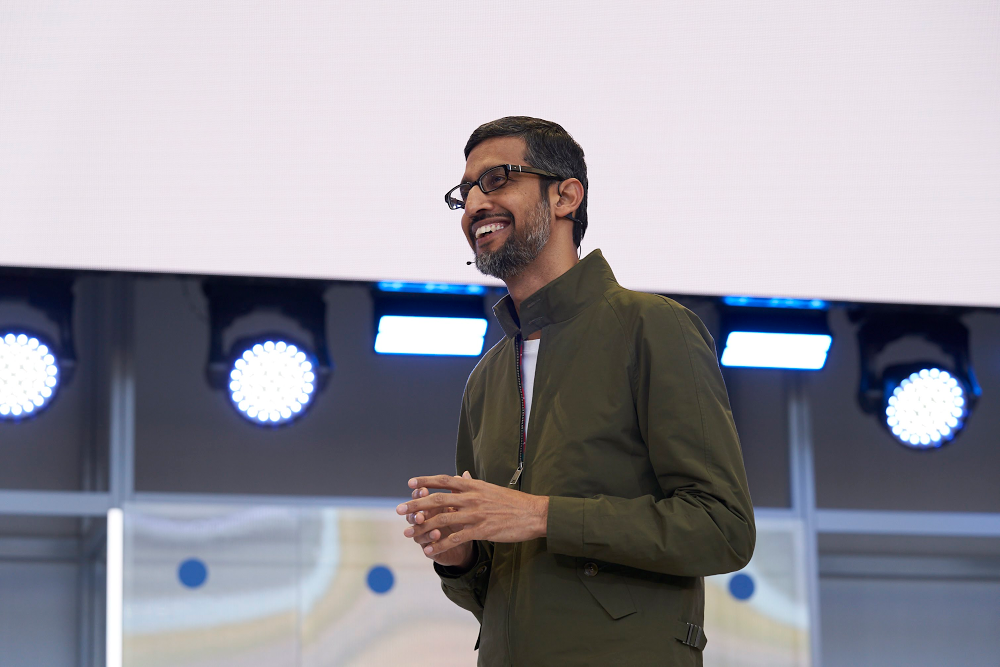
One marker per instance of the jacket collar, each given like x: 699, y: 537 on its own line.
x: 560, y: 299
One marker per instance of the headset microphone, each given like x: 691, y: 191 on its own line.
x: 467, y: 263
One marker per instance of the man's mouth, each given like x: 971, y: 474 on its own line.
x: 484, y: 231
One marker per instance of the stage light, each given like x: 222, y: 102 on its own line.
x: 780, y: 334
x: 34, y: 367
x: 272, y: 381
x: 923, y: 405
x: 404, y: 334
x: 429, y: 319
x: 271, y: 378
x: 759, y: 349
x: 430, y: 288
x: 29, y: 375
x: 925, y: 408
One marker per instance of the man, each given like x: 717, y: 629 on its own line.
x: 602, y: 481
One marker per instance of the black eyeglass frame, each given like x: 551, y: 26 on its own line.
x: 507, y: 168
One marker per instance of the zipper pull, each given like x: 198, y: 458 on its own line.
x: 517, y: 473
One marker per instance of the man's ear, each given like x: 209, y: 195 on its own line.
x: 570, y: 196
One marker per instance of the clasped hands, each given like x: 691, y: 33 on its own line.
x: 445, y: 524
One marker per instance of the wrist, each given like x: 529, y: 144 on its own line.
x: 542, y: 516
x: 472, y: 556
x: 463, y: 568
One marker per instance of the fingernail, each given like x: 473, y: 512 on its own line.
x: 408, y: 532
x: 428, y: 550
x: 401, y: 509
x: 412, y: 483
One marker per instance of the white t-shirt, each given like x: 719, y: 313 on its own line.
x: 528, y: 360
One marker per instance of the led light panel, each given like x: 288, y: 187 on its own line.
x: 926, y: 409
x: 29, y: 375
x: 272, y: 382
x: 761, y: 302
x: 758, y: 349
x: 405, y: 334
x: 429, y: 288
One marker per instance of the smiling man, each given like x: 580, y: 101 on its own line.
x: 600, y: 473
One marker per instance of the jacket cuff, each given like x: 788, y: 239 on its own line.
x: 457, y: 578
x: 564, y: 533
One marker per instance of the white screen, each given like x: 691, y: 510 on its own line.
x: 836, y: 150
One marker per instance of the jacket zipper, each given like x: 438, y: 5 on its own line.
x: 520, y: 390
x: 515, y: 481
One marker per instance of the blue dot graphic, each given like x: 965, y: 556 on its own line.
x: 380, y: 579
x: 192, y: 573
x: 741, y: 586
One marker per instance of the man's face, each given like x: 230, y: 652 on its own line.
x: 517, y: 213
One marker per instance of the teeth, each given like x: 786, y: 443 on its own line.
x: 493, y: 227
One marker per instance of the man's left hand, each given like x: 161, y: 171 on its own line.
x: 487, y: 512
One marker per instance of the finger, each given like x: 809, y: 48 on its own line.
x: 422, y: 535
x: 418, y: 531
x: 449, y: 542
x: 449, y: 516
x: 466, y: 475
x: 431, y: 502
x: 438, y: 534
x: 450, y: 482
x: 432, y: 536
x: 417, y: 518
x: 444, y: 520
x: 420, y: 518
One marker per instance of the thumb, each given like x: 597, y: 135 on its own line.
x: 466, y: 475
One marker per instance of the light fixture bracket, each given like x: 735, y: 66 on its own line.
x: 232, y: 298
x: 880, y: 328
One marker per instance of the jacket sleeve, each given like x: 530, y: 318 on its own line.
x: 467, y: 588
x: 704, y: 522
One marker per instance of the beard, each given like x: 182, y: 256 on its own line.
x: 521, y: 247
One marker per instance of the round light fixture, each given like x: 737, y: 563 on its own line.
x: 272, y: 381
x: 29, y: 375
x: 925, y: 408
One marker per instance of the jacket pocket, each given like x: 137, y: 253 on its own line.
x: 607, y: 587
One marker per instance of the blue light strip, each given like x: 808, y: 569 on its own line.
x: 761, y: 302
x: 756, y: 349
x: 457, y: 336
x: 430, y: 288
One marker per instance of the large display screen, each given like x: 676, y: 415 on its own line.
x: 833, y: 150
x: 230, y: 586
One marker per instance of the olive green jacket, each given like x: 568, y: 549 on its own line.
x: 631, y: 436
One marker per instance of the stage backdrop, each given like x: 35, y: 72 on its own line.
x: 225, y: 586
x: 841, y: 150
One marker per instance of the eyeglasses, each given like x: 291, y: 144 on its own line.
x: 492, y: 179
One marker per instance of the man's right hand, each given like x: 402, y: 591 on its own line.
x: 459, y: 556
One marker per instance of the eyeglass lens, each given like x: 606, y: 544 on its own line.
x: 491, y: 180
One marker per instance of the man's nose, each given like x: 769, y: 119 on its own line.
x: 476, y: 201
